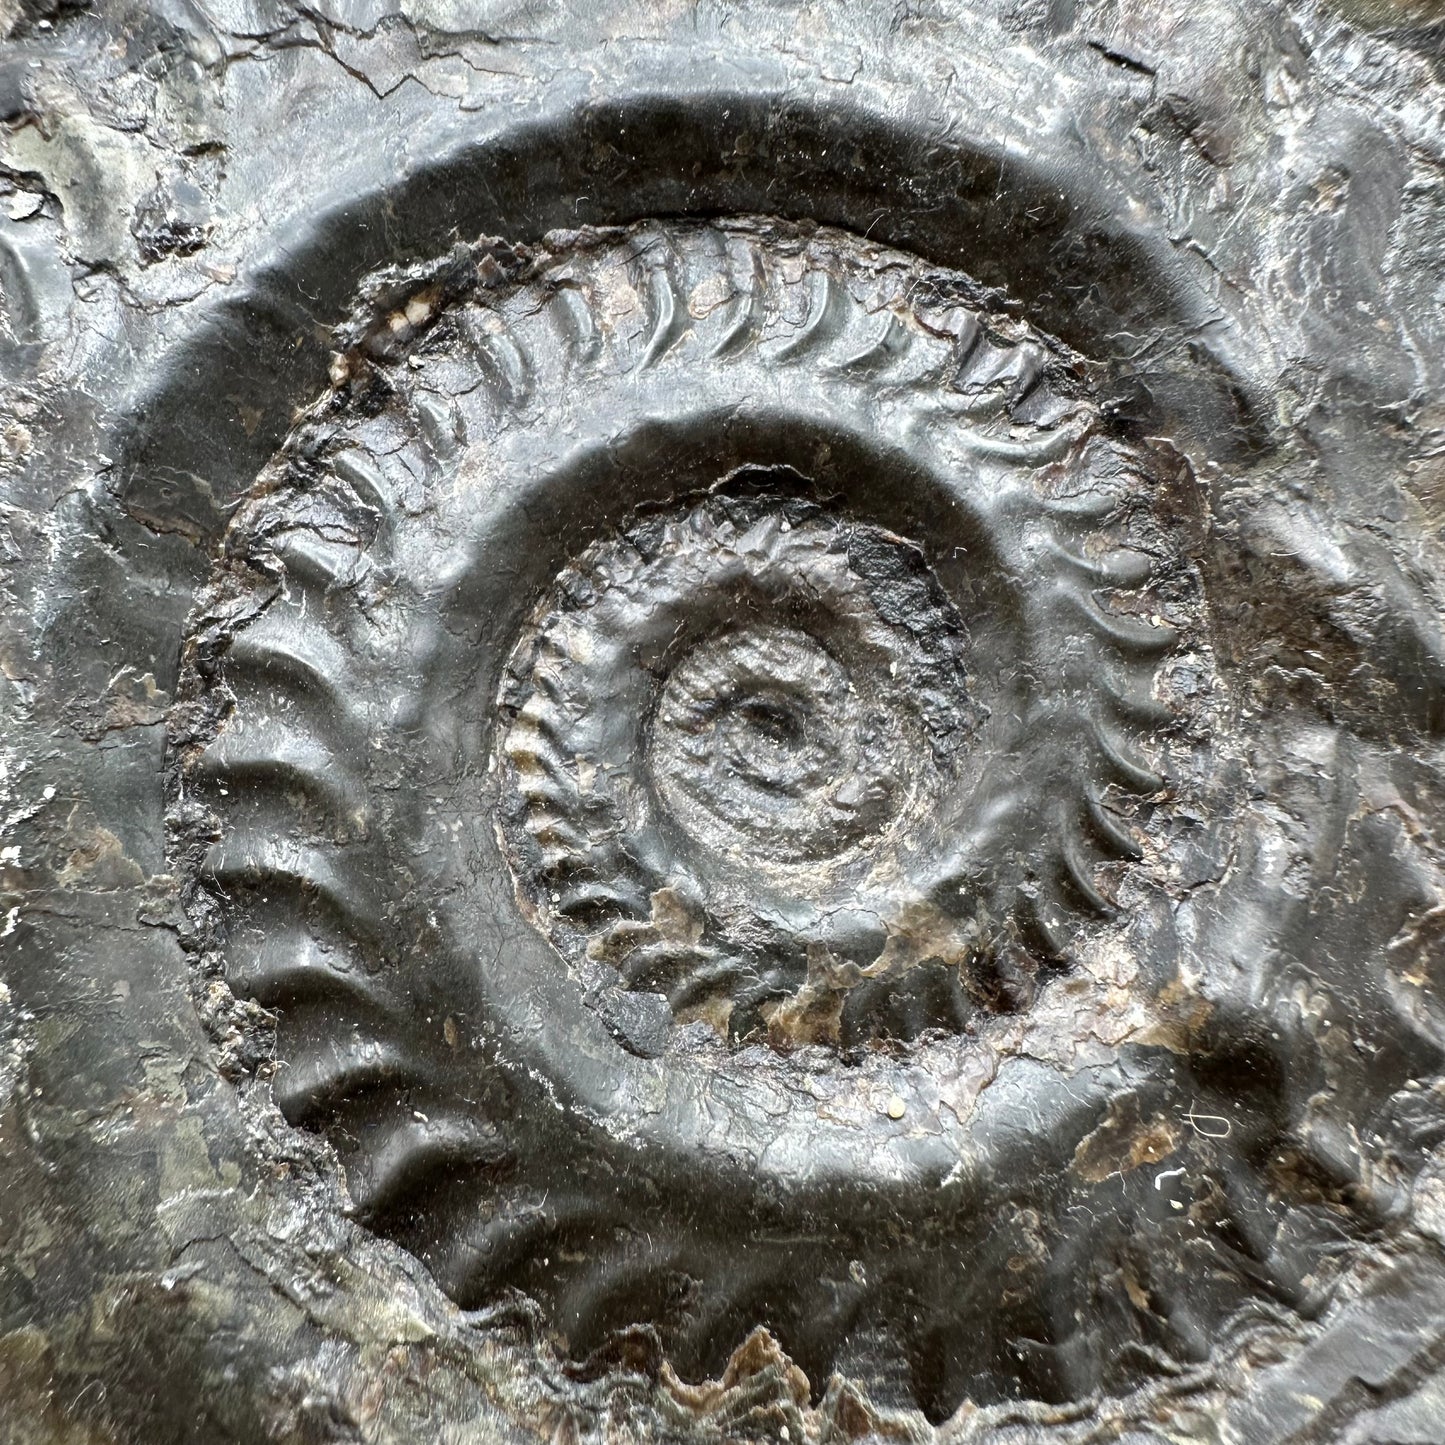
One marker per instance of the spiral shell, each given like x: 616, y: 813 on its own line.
x: 732, y: 728
x: 699, y: 707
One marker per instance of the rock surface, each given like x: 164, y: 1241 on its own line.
x: 1227, y: 221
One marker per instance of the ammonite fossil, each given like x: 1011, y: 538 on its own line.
x: 691, y: 736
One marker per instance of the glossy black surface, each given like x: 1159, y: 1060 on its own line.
x: 1142, y: 1101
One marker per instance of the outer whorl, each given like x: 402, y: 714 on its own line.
x: 717, y: 730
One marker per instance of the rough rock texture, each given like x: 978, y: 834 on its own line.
x: 1231, y: 214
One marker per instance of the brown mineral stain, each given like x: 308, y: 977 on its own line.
x: 814, y: 1014
x: 673, y: 920
x: 715, y: 1011
x: 757, y: 1367
x: 920, y: 933
x: 1180, y: 1015
x: 1123, y: 1141
x: 100, y: 863
x: 1138, y: 1295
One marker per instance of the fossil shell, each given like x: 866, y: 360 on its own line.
x: 699, y: 711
